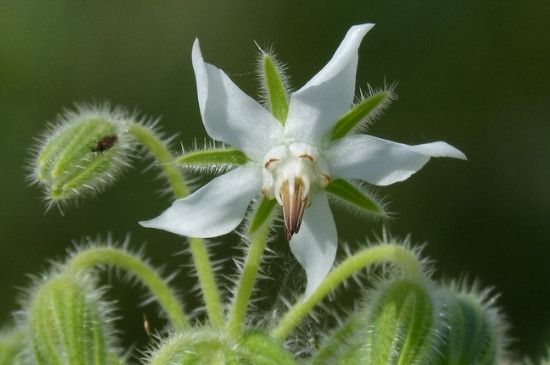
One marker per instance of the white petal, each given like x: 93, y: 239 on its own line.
x: 316, y: 107
x: 382, y: 162
x: 315, y: 245
x: 231, y: 116
x: 213, y: 210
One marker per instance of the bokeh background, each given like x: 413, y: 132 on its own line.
x: 473, y: 73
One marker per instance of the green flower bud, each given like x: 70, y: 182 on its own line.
x: 82, y: 153
x: 476, y: 331
x: 399, y: 324
x: 69, y: 323
x: 402, y: 324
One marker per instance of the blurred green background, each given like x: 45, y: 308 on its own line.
x: 473, y: 73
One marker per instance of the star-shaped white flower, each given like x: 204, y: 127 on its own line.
x: 295, y: 162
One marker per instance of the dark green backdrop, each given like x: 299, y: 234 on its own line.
x: 472, y: 73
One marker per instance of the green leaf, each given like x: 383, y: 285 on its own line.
x: 345, y: 190
x: 275, y: 88
x: 359, y: 113
x: 215, y: 157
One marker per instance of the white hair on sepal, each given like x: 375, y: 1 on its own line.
x: 391, y: 96
x: 367, y: 190
x: 209, y: 168
x: 269, y: 51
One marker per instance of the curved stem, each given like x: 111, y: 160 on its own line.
x: 246, y: 283
x: 399, y: 255
x: 258, y: 232
x: 92, y: 257
x: 198, y: 248
x: 164, y: 157
x: 208, y: 283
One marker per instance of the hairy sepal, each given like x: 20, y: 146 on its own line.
x: 216, y: 160
x: 353, y: 196
x: 363, y: 112
x: 273, y: 82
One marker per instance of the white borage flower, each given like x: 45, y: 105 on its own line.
x: 295, y: 153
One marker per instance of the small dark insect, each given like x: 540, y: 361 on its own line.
x: 105, y: 143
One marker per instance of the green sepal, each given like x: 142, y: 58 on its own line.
x: 261, y: 215
x: 275, y: 88
x: 212, y: 158
x: 346, y: 191
x: 359, y: 113
x: 258, y: 348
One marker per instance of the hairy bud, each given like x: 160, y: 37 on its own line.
x: 476, y: 331
x: 399, y: 324
x: 82, y: 153
x: 402, y: 324
x: 68, y: 323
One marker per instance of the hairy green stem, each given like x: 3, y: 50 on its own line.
x: 164, y: 157
x: 258, y: 232
x: 246, y: 283
x: 207, y: 281
x: 95, y: 256
x: 198, y: 248
x: 399, y: 255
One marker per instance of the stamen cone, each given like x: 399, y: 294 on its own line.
x: 293, y: 206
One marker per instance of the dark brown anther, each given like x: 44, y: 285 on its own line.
x: 293, y: 206
x: 270, y: 161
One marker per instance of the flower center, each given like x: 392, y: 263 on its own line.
x: 289, y: 173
